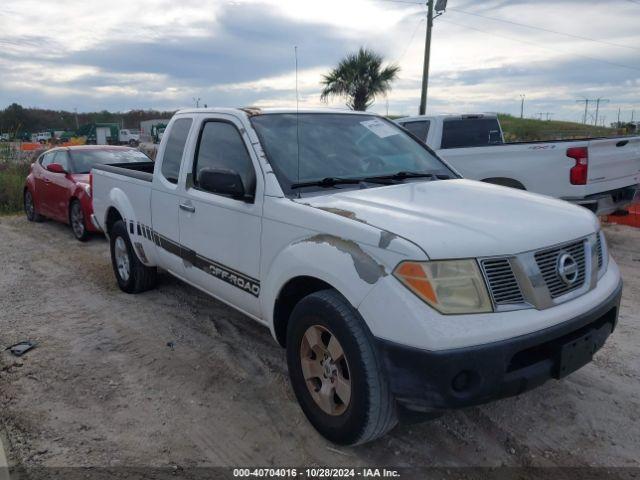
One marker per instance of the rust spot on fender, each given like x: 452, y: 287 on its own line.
x: 343, y: 213
x: 367, y: 268
x: 386, y: 238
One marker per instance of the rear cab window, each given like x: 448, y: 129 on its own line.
x: 419, y: 128
x: 470, y: 132
x: 174, y: 148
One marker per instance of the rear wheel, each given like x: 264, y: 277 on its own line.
x: 77, y: 222
x: 336, y: 372
x: 132, y: 275
x: 30, y: 208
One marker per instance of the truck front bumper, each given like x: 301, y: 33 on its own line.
x: 433, y: 381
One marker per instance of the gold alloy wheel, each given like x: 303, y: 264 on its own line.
x: 325, y: 370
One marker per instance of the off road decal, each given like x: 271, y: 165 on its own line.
x: 222, y: 272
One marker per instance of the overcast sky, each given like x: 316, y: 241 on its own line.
x: 125, y: 54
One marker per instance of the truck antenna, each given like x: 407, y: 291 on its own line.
x: 295, y: 53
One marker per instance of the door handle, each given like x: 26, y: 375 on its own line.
x: 187, y: 207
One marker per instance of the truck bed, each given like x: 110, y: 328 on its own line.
x: 139, y: 170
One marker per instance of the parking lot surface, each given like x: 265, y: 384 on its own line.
x: 173, y: 378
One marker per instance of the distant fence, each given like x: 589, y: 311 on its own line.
x: 14, y: 153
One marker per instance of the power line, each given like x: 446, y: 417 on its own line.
x: 622, y: 65
x: 542, y: 29
x: 402, y: 1
x: 406, y: 48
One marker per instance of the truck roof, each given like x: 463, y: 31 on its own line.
x: 251, y: 111
x: 456, y: 116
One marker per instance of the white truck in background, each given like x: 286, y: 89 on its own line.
x: 394, y: 285
x: 601, y: 174
x: 128, y: 137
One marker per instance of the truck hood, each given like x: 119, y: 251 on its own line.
x: 463, y: 218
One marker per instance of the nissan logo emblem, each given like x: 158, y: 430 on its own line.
x: 567, y: 269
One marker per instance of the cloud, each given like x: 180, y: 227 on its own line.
x: 162, y: 53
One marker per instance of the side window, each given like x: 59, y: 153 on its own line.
x: 221, y: 147
x: 47, y: 159
x: 419, y: 128
x: 62, y: 158
x: 173, y: 150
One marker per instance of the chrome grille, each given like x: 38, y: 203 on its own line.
x: 547, y: 261
x: 599, y: 250
x: 502, y: 282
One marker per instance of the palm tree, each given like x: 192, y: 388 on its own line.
x: 360, y: 78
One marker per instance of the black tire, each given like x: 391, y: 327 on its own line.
x: 30, y: 208
x: 77, y: 221
x: 140, y: 278
x: 371, y: 411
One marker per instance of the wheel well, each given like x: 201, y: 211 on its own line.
x: 112, y: 217
x: 505, y: 182
x: 71, y: 200
x: 292, y: 292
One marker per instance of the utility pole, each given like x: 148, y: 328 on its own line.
x: 598, y: 102
x: 427, y: 53
x: 440, y: 7
x: 196, y: 101
x: 77, y: 124
x: 586, y: 107
x: 618, y: 117
x: 522, y: 97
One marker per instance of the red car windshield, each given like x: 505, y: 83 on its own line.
x: 82, y: 161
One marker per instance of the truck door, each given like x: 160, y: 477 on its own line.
x: 221, y: 231
x: 166, y: 198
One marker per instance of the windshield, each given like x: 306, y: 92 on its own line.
x: 333, y: 145
x: 82, y: 161
x: 471, y: 132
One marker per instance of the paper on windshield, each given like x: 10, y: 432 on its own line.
x: 381, y: 128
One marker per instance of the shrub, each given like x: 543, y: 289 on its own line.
x: 12, y: 177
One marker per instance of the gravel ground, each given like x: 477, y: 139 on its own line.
x: 174, y: 378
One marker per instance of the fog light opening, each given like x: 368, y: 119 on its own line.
x: 462, y: 381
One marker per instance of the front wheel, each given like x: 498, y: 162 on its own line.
x: 336, y: 372
x: 132, y: 275
x: 76, y: 219
x: 30, y: 208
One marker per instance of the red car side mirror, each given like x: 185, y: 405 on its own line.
x: 56, y: 168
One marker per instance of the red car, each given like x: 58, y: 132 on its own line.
x: 59, y: 184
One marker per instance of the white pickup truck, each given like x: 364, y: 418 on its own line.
x: 128, y: 137
x: 394, y: 285
x: 601, y: 174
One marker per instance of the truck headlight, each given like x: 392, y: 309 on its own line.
x: 449, y: 286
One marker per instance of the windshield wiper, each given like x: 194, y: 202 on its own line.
x: 403, y: 175
x: 327, y: 182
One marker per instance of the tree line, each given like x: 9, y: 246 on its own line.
x: 16, y: 118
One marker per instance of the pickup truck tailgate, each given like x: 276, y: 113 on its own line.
x: 613, y: 163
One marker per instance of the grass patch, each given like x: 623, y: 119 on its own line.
x: 14, y: 168
x: 527, y: 129
x: 12, y: 177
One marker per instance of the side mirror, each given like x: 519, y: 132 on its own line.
x: 56, y: 168
x: 222, y: 182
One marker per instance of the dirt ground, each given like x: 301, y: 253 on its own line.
x: 174, y: 378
